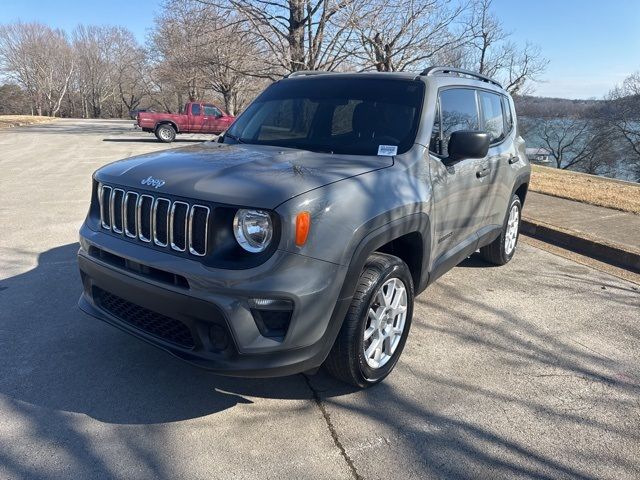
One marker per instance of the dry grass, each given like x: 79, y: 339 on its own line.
x: 590, y: 189
x: 19, y: 120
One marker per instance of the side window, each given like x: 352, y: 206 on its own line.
x: 507, y: 113
x: 195, y: 109
x: 458, y: 111
x: 492, y: 119
x: 434, y: 143
x: 211, y: 111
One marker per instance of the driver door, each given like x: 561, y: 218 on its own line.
x: 212, y: 117
x: 459, y: 189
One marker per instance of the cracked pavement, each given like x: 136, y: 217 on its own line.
x: 524, y: 371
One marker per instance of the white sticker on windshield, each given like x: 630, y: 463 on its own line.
x: 387, y: 150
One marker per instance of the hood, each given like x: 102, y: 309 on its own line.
x: 242, y: 175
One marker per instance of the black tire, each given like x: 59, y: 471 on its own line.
x: 165, y: 133
x: 496, y: 251
x: 347, y: 361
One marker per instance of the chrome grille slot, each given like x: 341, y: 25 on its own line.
x: 198, y: 222
x: 175, y: 225
x: 144, y: 211
x: 161, y: 221
x: 115, y: 210
x: 130, y: 206
x: 178, y: 226
x: 104, y: 196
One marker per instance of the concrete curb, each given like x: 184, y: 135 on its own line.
x: 578, y: 242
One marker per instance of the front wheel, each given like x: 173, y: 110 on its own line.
x: 501, y: 250
x: 377, y: 324
x: 165, y: 133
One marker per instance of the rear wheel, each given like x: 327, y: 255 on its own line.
x: 377, y: 324
x: 165, y: 133
x: 501, y: 250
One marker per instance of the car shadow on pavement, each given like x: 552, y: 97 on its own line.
x: 475, y: 261
x: 55, y: 360
x: 55, y: 356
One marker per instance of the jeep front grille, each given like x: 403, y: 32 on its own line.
x: 174, y: 225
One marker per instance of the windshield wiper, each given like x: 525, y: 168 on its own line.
x: 233, y: 137
x: 311, y: 149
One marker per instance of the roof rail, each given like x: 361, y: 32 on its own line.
x: 458, y: 71
x: 306, y: 73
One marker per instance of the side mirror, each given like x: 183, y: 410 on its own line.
x: 465, y: 144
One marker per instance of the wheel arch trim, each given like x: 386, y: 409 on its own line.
x: 167, y: 122
x: 522, y: 179
x: 415, y: 222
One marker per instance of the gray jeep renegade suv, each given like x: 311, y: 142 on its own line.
x: 302, y: 236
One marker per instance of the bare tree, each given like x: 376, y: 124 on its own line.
x: 226, y: 62
x: 575, y: 143
x: 177, y: 46
x: 293, y: 34
x: 130, y: 64
x: 225, y: 52
x: 110, y: 65
x: 624, y: 111
x: 491, y: 53
x: 397, y: 35
x: 92, y: 48
x: 40, y: 60
x: 13, y: 100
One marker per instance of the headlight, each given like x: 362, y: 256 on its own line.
x: 253, y: 230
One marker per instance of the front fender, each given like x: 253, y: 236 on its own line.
x: 377, y: 237
x: 345, y: 212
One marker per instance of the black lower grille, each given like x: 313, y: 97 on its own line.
x: 161, y: 326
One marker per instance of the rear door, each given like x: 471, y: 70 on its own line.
x: 459, y: 189
x: 501, y: 150
x: 213, y: 119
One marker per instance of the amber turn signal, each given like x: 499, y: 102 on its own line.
x: 303, y: 224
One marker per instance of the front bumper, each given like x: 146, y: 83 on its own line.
x: 208, y: 321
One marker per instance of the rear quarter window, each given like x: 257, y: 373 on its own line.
x: 508, y: 115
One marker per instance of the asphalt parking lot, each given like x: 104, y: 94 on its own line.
x: 525, y: 371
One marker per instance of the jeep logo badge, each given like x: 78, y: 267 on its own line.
x: 153, y: 182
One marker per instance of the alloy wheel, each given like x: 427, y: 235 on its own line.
x: 511, y: 235
x: 386, y: 320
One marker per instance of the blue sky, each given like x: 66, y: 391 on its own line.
x: 591, y: 44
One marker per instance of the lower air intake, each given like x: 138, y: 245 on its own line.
x: 166, y: 328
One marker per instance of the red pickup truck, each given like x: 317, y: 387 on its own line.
x: 197, y: 118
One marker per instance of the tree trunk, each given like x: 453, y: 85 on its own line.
x: 296, y: 35
x: 229, y: 102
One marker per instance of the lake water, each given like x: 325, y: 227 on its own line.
x: 622, y: 169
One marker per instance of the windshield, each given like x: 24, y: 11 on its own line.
x: 338, y: 115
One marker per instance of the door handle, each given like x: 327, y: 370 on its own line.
x: 483, y: 173
x: 513, y: 159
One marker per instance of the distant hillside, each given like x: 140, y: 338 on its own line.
x: 530, y: 106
